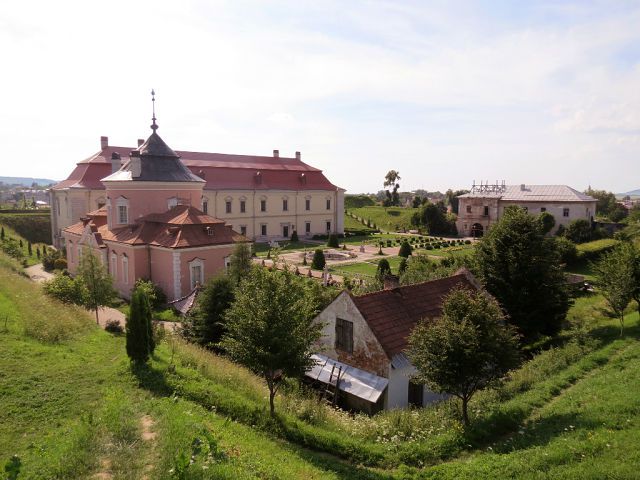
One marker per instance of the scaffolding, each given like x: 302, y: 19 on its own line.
x: 486, y: 187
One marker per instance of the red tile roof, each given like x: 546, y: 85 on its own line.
x: 219, y: 170
x: 180, y: 227
x: 392, y: 314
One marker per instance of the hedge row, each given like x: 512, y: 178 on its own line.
x: 36, y: 227
x: 591, y: 251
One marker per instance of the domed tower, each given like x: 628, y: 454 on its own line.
x: 153, y: 180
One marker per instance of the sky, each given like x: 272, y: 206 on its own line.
x: 445, y: 92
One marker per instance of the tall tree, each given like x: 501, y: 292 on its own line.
x: 520, y: 267
x: 241, y: 262
x: 270, y: 327
x: 468, y: 349
x: 206, y: 322
x: 98, y: 282
x: 452, y: 198
x: 616, y: 278
x: 391, y: 180
x: 139, y: 342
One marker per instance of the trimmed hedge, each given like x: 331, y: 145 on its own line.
x: 34, y: 227
x: 592, y: 251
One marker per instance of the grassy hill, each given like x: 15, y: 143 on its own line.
x: 391, y: 219
x: 73, y: 408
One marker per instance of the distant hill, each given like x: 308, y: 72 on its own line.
x: 632, y: 192
x: 26, y: 181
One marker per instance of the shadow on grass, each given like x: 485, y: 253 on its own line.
x: 542, y: 432
x: 151, y: 379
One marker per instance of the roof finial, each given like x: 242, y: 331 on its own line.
x: 154, y: 127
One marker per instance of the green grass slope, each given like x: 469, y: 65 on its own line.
x: 73, y: 408
x: 390, y: 219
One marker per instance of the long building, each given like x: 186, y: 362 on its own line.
x: 479, y: 209
x: 263, y: 198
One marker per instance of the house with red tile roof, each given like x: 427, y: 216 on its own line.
x: 263, y: 197
x: 149, y: 227
x: 364, y: 338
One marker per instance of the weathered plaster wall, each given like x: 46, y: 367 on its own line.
x: 367, y: 352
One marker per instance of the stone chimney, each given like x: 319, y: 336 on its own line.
x: 391, y: 281
x: 116, y: 162
x: 104, y: 142
x: 140, y: 141
x: 276, y: 153
x: 298, y: 156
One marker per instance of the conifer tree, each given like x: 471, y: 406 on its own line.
x: 139, y: 336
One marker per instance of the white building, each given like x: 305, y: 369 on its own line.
x: 365, y: 337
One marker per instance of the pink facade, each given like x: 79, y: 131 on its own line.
x: 150, y: 227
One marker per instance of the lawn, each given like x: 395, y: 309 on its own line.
x: 368, y: 268
x: 73, y: 408
x: 261, y: 249
x: 389, y: 219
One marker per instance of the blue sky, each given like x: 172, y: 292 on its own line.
x: 444, y: 92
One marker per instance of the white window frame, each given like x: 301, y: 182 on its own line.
x: 122, y: 202
x: 196, y: 263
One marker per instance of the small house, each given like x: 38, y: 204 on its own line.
x: 361, y: 354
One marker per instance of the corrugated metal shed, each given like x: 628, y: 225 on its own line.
x: 360, y: 383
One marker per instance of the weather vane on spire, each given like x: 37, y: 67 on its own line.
x: 154, y: 127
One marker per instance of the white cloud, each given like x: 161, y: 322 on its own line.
x: 448, y: 93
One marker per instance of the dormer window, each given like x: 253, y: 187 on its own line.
x: 123, y: 214
x: 122, y: 210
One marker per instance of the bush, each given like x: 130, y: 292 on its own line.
x: 60, y: 264
x: 567, y: 249
x: 294, y: 236
x: 333, y: 241
x: 155, y: 294
x: 113, y: 326
x: 318, y: 261
x: 405, y: 250
x: 66, y: 289
x: 579, y: 231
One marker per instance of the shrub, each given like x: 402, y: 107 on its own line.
x: 294, y: 236
x: 66, y: 289
x: 60, y: 264
x: 113, y: 326
x: 333, y: 241
x: 567, y: 250
x: 157, y: 297
x: 318, y: 261
x: 405, y: 249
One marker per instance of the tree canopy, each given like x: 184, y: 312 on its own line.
x: 468, y: 349
x: 97, y: 281
x: 240, y: 264
x: 520, y: 267
x: 270, y: 327
x: 617, y: 277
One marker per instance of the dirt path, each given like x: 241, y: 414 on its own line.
x: 149, y: 437
x: 106, y: 314
x: 37, y: 273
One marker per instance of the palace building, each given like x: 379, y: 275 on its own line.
x: 263, y: 198
x: 147, y: 226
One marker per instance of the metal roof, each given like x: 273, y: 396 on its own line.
x: 360, y: 383
x: 535, y: 193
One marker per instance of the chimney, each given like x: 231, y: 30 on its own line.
x: 140, y: 141
x: 298, y: 156
x: 391, y: 281
x: 116, y: 162
x: 104, y: 142
x: 135, y: 165
x: 276, y: 153
x: 522, y: 187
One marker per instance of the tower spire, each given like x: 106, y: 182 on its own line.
x: 154, y: 126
